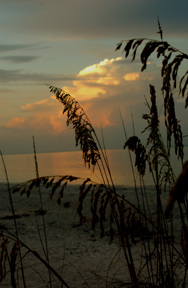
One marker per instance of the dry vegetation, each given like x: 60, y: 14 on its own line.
x: 113, y: 212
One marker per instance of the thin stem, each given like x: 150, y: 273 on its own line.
x: 131, y: 161
x: 132, y: 122
x: 38, y: 257
x: 13, y: 213
x: 41, y: 203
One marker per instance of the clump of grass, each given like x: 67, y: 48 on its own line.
x: 158, y: 157
x: 172, y: 60
x: 16, y: 249
x: 12, y: 248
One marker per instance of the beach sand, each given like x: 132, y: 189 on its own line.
x: 76, y: 252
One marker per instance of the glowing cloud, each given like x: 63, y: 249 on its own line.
x: 82, y: 92
x: 106, y: 120
x: 57, y: 123
x: 39, y: 118
x: 131, y: 76
x: 16, y: 122
x: 100, y: 88
x: 32, y: 106
x: 92, y: 79
x: 99, y: 68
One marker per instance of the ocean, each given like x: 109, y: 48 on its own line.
x: 21, y: 167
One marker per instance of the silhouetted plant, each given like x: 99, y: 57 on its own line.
x: 172, y: 60
x: 84, y: 132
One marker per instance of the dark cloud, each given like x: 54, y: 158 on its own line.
x: 19, y: 59
x: 8, y: 76
x: 13, y: 47
x: 100, y: 19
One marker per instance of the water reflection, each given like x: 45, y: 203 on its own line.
x: 22, y: 167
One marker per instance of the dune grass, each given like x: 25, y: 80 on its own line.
x: 163, y: 262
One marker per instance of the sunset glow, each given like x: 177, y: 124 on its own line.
x: 131, y: 76
x: 83, y: 92
x: 75, y: 51
x: 16, y: 122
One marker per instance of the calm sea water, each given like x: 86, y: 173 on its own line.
x: 22, y: 167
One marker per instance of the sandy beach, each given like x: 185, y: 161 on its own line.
x: 76, y: 252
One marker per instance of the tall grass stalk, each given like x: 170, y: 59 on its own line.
x: 13, y: 213
x: 8, y: 236
x: 42, y: 210
x: 11, y: 236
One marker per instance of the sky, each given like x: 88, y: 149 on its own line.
x: 71, y: 44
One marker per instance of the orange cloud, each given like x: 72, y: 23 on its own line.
x: 106, y: 120
x: 16, y: 122
x: 43, y: 115
x: 99, y: 87
x: 32, y: 106
x: 92, y: 79
x: 57, y: 124
x: 131, y: 76
x: 82, y: 92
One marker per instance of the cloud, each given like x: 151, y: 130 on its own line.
x: 40, y: 116
x: 47, y: 113
x: 100, y: 89
x: 13, y: 47
x: 95, y: 19
x: 105, y: 86
x: 19, y: 59
x: 57, y: 124
x: 107, y: 78
x: 8, y: 76
x: 131, y: 76
x: 106, y: 121
x: 103, y: 71
x: 37, y: 105
x: 82, y: 92
x: 16, y: 122
x: 93, y: 80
